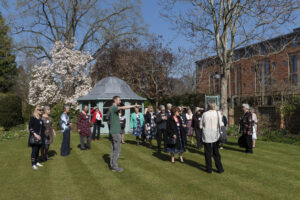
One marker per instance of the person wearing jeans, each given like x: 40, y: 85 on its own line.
x: 36, y: 129
x: 210, y: 122
x: 97, y: 121
x: 115, y: 132
x: 65, y: 126
x: 84, y: 128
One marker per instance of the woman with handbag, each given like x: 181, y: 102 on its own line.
x: 49, y: 132
x: 36, y: 134
x: 175, y: 135
x: 84, y: 128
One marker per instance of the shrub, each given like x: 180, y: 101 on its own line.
x: 27, y: 111
x: 19, y: 131
x: 58, y: 109
x: 192, y: 100
x: 10, y: 111
x: 233, y: 131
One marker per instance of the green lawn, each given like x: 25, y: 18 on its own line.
x: 272, y: 172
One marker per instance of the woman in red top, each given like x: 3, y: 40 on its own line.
x: 97, y: 121
x: 84, y: 129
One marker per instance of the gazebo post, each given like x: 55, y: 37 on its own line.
x: 127, y: 115
x: 143, y: 107
x: 80, y: 106
x: 90, y: 109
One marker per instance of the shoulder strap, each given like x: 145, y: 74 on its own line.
x: 218, y: 120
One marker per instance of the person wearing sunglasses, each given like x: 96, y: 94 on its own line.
x: 36, y: 135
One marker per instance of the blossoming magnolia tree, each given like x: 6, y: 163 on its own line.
x: 63, y: 78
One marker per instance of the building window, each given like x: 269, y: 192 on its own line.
x: 267, y: 68
x: 252, y: 84
x: 294, y: 79
x: 243, y: 70
x: 244, y: 85
x: 284, y: 63
x: 273, y: 65
x: 294, y: 63
x: 252, y: 69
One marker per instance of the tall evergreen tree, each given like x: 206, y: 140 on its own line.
x: 8, y: 67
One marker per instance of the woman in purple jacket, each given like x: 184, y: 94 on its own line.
x: 84, y: 128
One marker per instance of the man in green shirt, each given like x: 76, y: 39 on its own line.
x: 115, y: 132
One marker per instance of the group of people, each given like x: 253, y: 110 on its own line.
x: 172, y: 126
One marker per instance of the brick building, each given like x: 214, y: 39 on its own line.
x: 271, y: 67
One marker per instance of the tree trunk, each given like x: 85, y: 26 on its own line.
x: 224, y: 88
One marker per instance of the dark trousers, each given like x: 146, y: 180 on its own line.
x: 88, y: 142
x: 161, y: 134
x: 65, y: 145
x: 212, y: 149
x: 249, y: 143
x: 199, y: 138
x: 35, y: 154
x: 96, y: 130
x: 184, y: 134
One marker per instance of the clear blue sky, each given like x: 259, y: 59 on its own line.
x: 160, y: 26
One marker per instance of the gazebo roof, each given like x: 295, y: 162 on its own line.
x: 109, y: 87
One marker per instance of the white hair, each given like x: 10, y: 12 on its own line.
x: 245, y: 105
x: 66, y: 107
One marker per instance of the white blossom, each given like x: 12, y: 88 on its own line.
x: 63, y: 78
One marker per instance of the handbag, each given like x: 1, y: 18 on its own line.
x: 220, y: 130
x: 34, y: 141
x: 171, y: 140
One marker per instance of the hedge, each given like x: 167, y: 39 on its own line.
x: 10, y: 110
x: 192, y: 100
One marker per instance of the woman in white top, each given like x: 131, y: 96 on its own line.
x: 210, y: 122
x: 255, y: 121
x: 190, y: 130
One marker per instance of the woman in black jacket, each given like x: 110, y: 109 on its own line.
x: 36, y: 130
x: 175, y: 133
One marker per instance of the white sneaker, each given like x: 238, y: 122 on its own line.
x: 39, y: 164
x: 34, y: 167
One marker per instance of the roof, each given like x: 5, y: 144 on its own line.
x: 109, y: 87
x: 290, y: 36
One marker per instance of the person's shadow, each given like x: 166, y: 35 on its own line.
x: 167, y: 158
x: 106, y: 158
x: 193, y: 150
x: 52, y: 153
x: 233, y: 149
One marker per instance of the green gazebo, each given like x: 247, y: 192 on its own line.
x: 103, y: 92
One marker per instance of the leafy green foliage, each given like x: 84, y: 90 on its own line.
x: 10, y: 110
x: 192, y: 100
x: 19, y: 131
x: 58, y: 109
x: 8, y: 67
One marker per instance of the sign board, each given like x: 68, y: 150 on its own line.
x: 212, y: 99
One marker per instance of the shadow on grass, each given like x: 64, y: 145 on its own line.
x: 52, y: 153
x: 193, y: 150
x: 232, y: 143
x: 144, y: 144
x: 167, y: 158
x: 106, y: 158
x: 233, y: 149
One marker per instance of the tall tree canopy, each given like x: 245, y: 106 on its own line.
x: 8, y: 65
x: 94, y: 23
x: 145, y: 67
